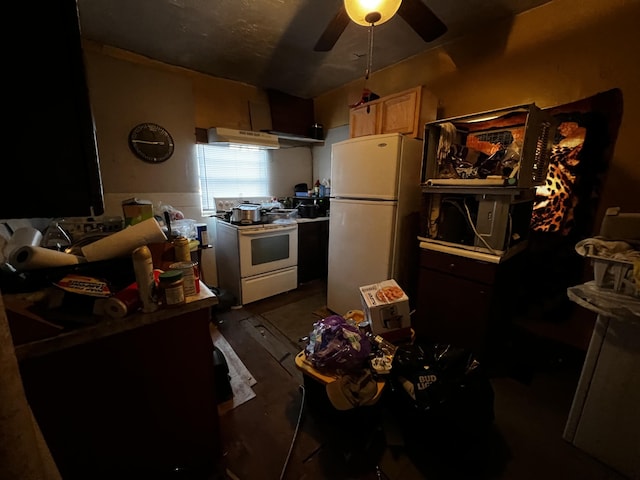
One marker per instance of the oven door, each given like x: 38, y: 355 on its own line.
x: 267, y: 249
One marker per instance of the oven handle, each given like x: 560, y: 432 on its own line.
x: 262, y: 231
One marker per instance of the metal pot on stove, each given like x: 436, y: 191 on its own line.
x: 308, y: 210
x: 246, y: 213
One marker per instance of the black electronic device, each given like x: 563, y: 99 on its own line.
x: 51, y: 168
x: 490, y: 223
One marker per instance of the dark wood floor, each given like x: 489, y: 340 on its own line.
x: 289, y: 431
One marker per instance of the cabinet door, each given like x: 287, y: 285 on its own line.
x: 452, y: 310
x: 400, y: 113
x: 137, y: 404
x: 397, y: 113
x: 324, y: 248
x: 363, y: 120
x: 313, y: 238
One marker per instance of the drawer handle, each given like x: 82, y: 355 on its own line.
x: 452, y: 265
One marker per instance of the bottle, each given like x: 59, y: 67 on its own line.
x: 365, y: 330
x: 383, y: 352
x: 123, y: 303
x: 384, y: 346
x: 181, y: 248
x: 143, y: 270
x: 378, y: 343
x: 171, y: 286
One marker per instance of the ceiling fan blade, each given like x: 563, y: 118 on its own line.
x: 333, y: 31
x: 422, y: 19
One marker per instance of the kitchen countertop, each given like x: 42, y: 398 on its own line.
x: 105, y: 327
x: 307, y: 220
x: 471, y: 252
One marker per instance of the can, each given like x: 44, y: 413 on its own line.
x: 181, y: 248
x: 143, y: 270
x: 190, y: 274
x: 123, y: 303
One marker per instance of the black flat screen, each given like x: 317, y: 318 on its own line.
x: 51, y: 167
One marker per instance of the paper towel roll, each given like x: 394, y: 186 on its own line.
x: 125, y: 241
x: 21, y: 237
x: 33, y: 257
x: 26, y: 236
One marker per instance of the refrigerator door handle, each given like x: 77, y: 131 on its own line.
x: 367, y: 199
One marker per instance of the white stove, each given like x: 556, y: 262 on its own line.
x: 258, y: 260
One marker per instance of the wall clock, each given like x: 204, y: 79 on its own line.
x: 151, y: 142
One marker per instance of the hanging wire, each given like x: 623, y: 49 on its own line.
x: 369, y: 62
x: 370, y: 55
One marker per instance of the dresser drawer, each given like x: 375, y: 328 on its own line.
x: 472, y: 269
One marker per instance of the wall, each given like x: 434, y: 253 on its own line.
x: 552, y: 55
x: 555, y: 54
x: 127, y: 89
x: 290, y: 166
x: 123, y: 95
x: 322, y: 154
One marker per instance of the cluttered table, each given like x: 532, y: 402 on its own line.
x: 21, y: 318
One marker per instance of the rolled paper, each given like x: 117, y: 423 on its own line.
x: 124, y: 242
x: 26, y: 236
x: 23, y: 236
x: 31, y: 258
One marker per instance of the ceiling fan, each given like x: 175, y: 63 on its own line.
x: 414, y: 12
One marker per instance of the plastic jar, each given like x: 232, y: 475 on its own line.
x: 171, y: 287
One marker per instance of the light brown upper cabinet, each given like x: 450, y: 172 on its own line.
x: 363, y: 120
x: 399, y: 112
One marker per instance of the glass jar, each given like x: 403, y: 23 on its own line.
x: 190, y: 275
x: 171, y: 287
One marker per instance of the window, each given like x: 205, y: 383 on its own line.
x: 231, y: 171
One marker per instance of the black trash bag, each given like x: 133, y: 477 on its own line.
x: 442, y: 391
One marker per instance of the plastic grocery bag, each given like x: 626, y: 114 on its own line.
x: 337, y: 345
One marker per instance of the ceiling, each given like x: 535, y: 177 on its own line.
x: 270, y: 43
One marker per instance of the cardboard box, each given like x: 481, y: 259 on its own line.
x: 385, y: 306
x: 136, y: 211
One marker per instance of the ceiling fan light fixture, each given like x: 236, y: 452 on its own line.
x: 367, y: 12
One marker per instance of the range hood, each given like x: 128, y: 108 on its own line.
x: 230, y: 136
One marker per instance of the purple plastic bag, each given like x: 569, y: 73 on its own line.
x: 337, y: 345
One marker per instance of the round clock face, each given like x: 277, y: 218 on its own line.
x: 151, y: 143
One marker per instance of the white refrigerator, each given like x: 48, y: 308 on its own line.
x: 375, y: 208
